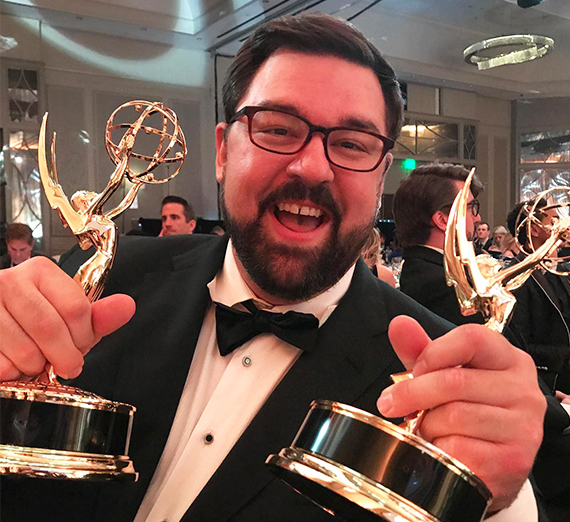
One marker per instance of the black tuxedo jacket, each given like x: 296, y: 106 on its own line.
x: 146, y: 364
x: 423, y: 279
x: 539, y: 319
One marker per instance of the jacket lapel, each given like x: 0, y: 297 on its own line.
x: 345, y: 363
x: 545, y: 285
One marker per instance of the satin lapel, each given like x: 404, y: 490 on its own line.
x: 352, y: 352
x: 161, y: 342
x: 565, y: 283
x: 546, y: 287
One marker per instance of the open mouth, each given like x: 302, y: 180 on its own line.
x: 299, y: 218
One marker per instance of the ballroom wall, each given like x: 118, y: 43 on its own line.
x: 85, y: 76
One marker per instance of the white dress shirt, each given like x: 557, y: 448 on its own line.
x: 222, y: 395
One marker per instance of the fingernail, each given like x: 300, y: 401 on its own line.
x: 75, y: 372
x: 385, y: 402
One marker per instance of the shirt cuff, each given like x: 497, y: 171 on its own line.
x: 523, y: 509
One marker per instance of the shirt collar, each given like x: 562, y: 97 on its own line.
x: 229, y: 288
x: 434, y: 248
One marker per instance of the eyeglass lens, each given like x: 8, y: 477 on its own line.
x: 287, y: 134
x: 474, y: 205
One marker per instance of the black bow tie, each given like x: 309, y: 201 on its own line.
x: 234, y: 327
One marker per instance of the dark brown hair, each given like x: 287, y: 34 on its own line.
x: 311, y: 33
x: 426, y: 190
x: 19, y: 231
x: 187, y: 209
x: 519, y: 213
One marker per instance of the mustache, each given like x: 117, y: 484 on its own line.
x: 320, y: 195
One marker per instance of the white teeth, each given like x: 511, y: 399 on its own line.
x: 305, y: 210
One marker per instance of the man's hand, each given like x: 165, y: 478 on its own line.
x: 45, y: 317
x: 485, y: 406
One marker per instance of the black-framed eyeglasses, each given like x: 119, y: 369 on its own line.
x: 280, y: 132
x: 474, y: 205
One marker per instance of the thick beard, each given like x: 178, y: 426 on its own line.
x: 290, y: 273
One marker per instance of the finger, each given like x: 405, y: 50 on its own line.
x: 8, y: 372
x: 70, y: 302
x: 110, y: 313
x: 460, y: 418
x: 21, y: 354
x: 408, y: 339
x: 428, y: 391
x: 472, y: 346
x: 36, y: 316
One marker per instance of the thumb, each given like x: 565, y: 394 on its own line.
x: 110, y: 313
x: 408, y: 339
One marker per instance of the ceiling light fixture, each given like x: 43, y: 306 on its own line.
x: 507, y: 50
x: 7, y: 43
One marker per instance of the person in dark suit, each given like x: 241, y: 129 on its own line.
x: 312, y: 110
x: 430, y: 190
x: 482, y: 239
x: 541, y: 318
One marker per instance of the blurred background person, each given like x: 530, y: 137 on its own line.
x: 497, y: 245
x: 371, y: 254
x: 178, y: 217
x: 541, y: 318
x: 218, y: 230
x: 482, y: 240
x: 19, y: 242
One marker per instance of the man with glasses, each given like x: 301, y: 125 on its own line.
x: 430, y: 190
x: 311, y: 111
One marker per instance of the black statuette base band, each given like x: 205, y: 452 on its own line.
x: 62, y: 427
x: 362, y: 468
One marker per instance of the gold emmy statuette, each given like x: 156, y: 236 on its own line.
x: 49, y: 430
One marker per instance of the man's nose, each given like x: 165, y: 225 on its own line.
x: 311, y: 163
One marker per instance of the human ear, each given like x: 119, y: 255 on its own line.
x: 439, y: 219
x: 221, y: 150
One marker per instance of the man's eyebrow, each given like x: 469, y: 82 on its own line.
x: 360, y: 124
x: 350, y: 121
x: 291, y: 109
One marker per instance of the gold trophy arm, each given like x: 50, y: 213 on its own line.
x: 454, y: 271
x: 96, y: 206
x: 459, y: 252
x: 465, y: 246
x: 127, y: 201
x: 54, y: 192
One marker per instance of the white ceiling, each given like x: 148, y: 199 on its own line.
x: 423, y: 39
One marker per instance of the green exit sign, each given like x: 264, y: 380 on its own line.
x: 409, y: 164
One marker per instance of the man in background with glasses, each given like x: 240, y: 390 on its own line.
x: 430, y: 191
x: 311, y: 112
